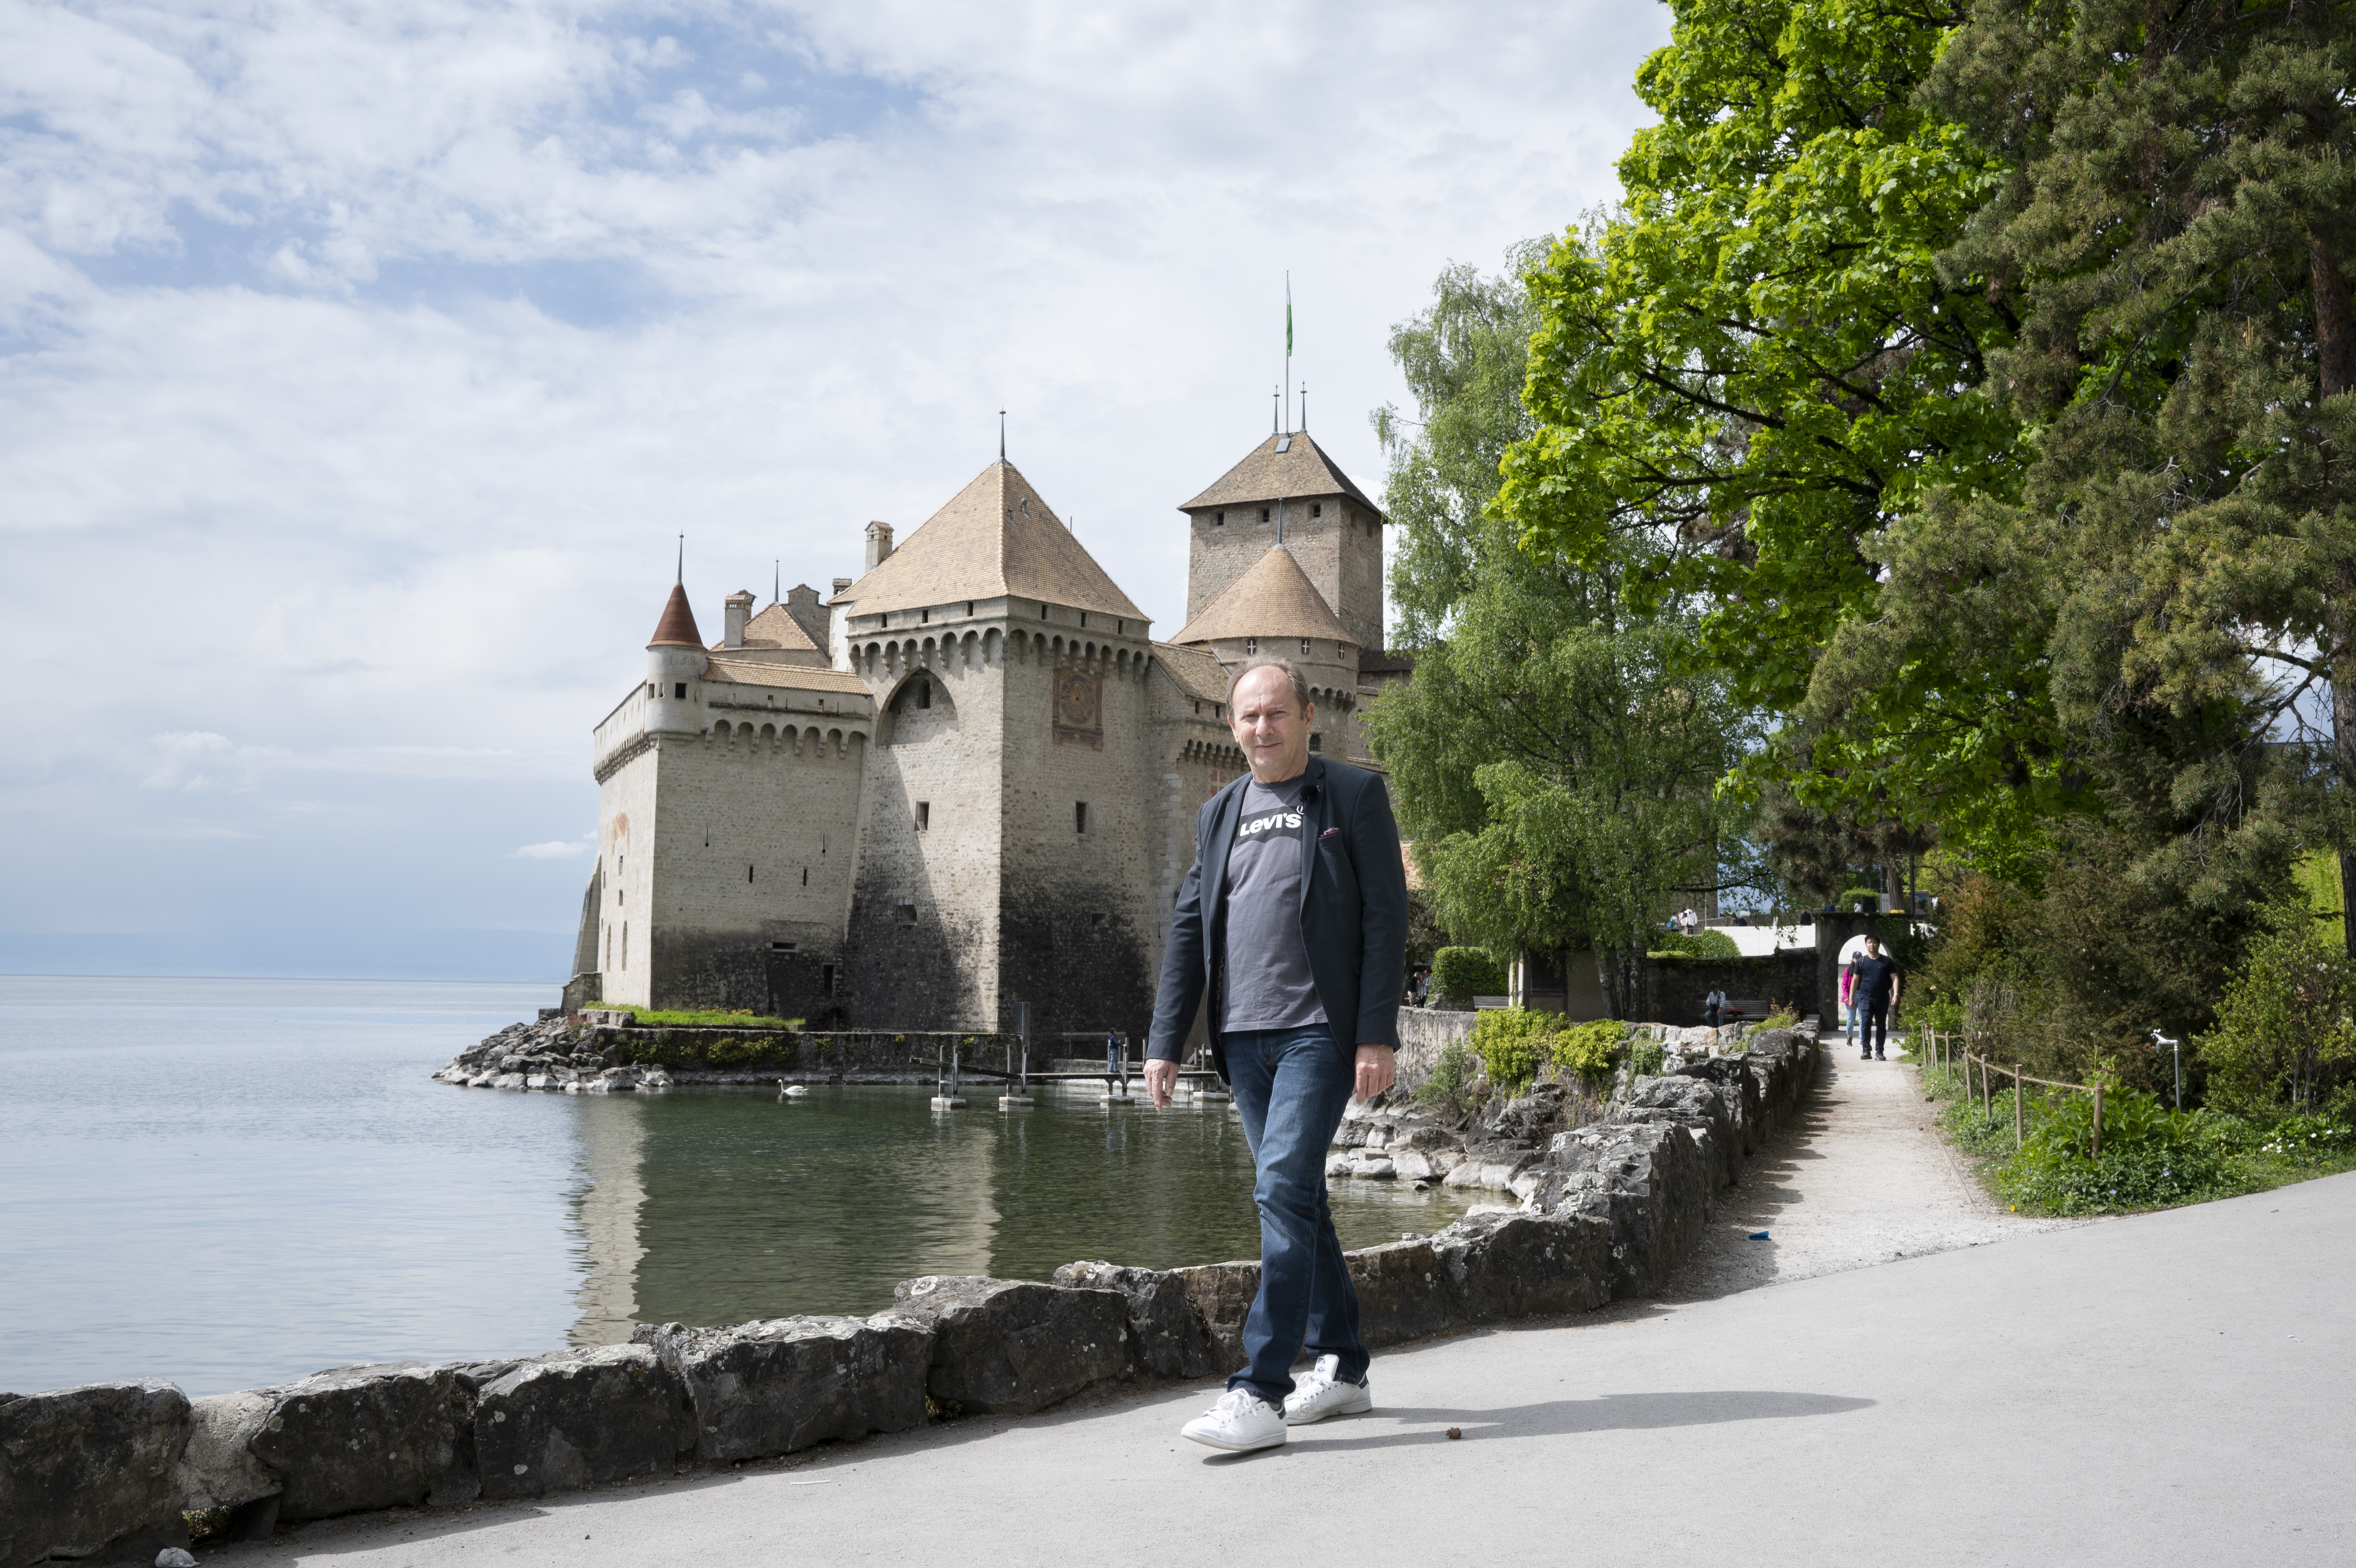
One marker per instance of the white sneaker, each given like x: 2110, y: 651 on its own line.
x: 1320, y: 1392
x: 1239, y: 1423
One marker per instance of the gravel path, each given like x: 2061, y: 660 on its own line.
x: 1861, y: 1175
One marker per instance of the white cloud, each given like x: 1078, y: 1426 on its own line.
x: 359, y: 363
x: 555, y: 849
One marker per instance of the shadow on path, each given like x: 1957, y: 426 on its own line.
x: 1559, y: 1418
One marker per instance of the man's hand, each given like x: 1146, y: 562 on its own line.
x: 1161, y: 1083
x: 1378, y: 1070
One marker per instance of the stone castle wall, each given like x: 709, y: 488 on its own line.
x: 753, y: 864
x: 922, y: 938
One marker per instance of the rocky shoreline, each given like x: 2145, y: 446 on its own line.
x: 1612, y: 1192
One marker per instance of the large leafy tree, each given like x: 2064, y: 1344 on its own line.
x: 2175, y: 237
x: 1554, y: 765
x: 1758, y: 365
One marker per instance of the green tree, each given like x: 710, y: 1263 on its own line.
x: 1555, y: 765
x: 1758, y: 366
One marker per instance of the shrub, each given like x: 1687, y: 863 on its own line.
x: 1588, y: 1050
x: 1462, y: 973
x: 1452, y: 1075
x: 2152, y: 1156
x: 1646, y: 1058
x: 1781, y: 1016
x: 1512, y: 1041
x: 2284, y: 1040
x: 1848, y: 897
x: 1708, y: 944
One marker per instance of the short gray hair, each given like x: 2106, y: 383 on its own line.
x: 1270, y: 661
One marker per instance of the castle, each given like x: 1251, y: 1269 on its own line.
x: 968, y: 778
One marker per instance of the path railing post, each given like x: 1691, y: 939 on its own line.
x: 2015, y: 1105
x: 2098, y: 1118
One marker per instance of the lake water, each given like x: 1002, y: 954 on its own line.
x: 231, y: 1182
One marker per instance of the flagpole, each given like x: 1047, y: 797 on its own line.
x: 1288, y: 350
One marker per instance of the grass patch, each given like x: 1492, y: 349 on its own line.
x: 2152, y: 1157
x: 679, y: 1020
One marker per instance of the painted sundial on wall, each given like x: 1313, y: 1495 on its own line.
x: 1080, y: 708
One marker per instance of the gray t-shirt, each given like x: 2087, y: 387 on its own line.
x: 1269, y: 984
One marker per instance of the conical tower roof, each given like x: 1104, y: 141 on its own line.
x: 996, y: 537
x: 677, y: 628
x: 1273, y: 598
x: 1268, y: 474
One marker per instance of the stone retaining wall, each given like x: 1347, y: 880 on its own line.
x: 1610, y: 1208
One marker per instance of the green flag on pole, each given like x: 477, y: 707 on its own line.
x: 1288, y: 318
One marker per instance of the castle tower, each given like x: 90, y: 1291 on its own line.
x: 728, y: 799
x: 1273, y: 608
x: 1287, y: 487
x: 1003, y: 837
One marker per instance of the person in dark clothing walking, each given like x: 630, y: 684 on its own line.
x: 1876, y: 992
x: 1291, y: 926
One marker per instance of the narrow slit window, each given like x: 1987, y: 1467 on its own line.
x: 748, y: 873
x: 923, y: 815
x: 826, y: 979
x: 925, y: 691
x: 1079, y: 816
x: 907, y: 911
x: 678, y: 690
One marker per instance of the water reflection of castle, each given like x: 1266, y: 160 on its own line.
x: 715, y: 1207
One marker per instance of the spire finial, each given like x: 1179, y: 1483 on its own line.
x: 1275, y: 407
x: 681, y: 578
x: 1002, y: 436
x: 777, y: 580
x: 1304, y: 405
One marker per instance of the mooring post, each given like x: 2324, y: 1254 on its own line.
x: 2098, y: 1118
x: 2015, y: 1105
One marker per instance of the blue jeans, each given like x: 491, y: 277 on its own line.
x: 1292, y: 1087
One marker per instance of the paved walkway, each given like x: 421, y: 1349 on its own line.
x: 2168, y: 1388
x: 1861, y: 1176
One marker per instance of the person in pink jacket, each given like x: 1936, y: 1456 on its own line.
x: 1848, y: 998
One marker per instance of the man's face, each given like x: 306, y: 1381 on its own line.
x: 1271, y: 725
x: 1873, y: 948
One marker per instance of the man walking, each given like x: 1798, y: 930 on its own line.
x: 1292, y: 921
x: 1874, y: 992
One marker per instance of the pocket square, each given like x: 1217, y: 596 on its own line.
x: 1331, y: 833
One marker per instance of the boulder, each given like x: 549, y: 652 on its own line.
x: 1696, y: 1105
x: 580, y: 1418
x: 1166, y: 1336
x: 85, y: 1469
x: 1526, y: 1265
x: 368, y: 1437
x: 1403, y: 1293
x: 1222, y: 1294
x: 217, y: 1469
x: 1645, y: 1180
x: 764, y: 1389
x: 1013, y: 1346
x: 1738, y: 1082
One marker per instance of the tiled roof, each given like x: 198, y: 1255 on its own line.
x: 775, y: 631
x: 677, y: 628
x: 1198, y: 674
x: 784, y: 677
x: 1274, y: 597
x: 1268, y: 475
x: 996, y: 538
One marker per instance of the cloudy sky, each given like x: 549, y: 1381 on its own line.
x: 361, y: 363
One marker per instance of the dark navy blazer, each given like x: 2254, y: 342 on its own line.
x: 1353, y: 914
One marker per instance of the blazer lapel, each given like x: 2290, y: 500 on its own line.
x: 1214, y: 871
x: 1314, y: 810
